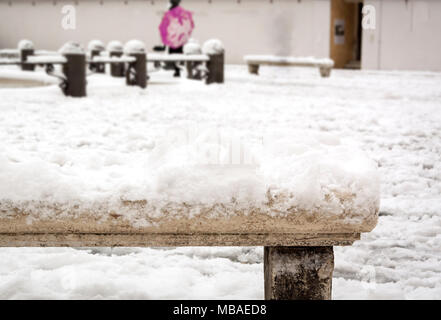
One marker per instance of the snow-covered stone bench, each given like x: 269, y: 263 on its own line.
x: 255, y: 61
x: 301, y: 197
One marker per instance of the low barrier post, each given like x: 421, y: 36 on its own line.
x: 215, y: 51
x: 26, y: 48
x: 136, y: 73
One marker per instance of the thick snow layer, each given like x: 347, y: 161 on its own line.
x: 170, y: 162
x: 213, y: 46
x: 25, y: 44
x: 134, y: 46
x: 192, y: 47
x: 96, y: 45
x: 46, y: 59
x: 115, y: 46
x: 392, y: 116
x: 71, y: 48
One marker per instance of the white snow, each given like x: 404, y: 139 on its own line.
x: 96, y: 45
x: 113, y: 59
x: 115, y: 46
x: 71, y: 48
x: 151, y: 57
x: 25, y: 44
x: 192, y: 47
x: 213, y: 46
x: 134, y: 46
x: 46, y: 59
x: 289, y: 60
x: 392, y: 116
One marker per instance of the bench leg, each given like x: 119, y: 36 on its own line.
x: 253, y: 68
x: 325, y: 72
x: 298, y: 273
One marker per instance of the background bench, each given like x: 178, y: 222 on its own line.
x: 255, y: 61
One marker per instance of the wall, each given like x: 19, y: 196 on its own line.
x: 407, y: 36
x: 285, y: 27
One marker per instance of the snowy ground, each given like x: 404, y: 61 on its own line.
x: 394, y: 116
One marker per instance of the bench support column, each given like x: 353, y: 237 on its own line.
x: 325, y: 72
x: 298, y: 273
x: 253, y: 68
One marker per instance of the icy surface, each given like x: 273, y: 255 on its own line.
x: 393, y: 116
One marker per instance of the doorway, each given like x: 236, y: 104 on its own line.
x: 346, y: 33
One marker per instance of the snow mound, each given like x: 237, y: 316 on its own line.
x: 25, y: 44
x: 192, y: 47
x: 96, y: 45
x: 115, y: 46
x: 213, y: 46
x: 71, y: 47
x: 134, y: 46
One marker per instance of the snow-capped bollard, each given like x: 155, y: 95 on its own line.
x: 115, y: 49
x: 26, y: 48
x: 136, y: 73
x: 74, y: 70
x: 215, y: 50
x: 298, y: 273
x: 96, y: 47
x: 193, y: 72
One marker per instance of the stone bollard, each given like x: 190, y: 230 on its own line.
x: 193, y: 72
x: 215, y: 51
x: 115, y: 49
x: 74, y: 70
x: 96, y: 47
x: 136, y: 73
x: 26, y: 48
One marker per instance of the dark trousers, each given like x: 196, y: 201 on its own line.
x: 176, y: 51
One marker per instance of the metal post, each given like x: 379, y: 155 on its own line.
x: 24, y: 54
x: 75, y: 73
x: 298, y: 273
x: 215, y: 68
x: 136, y: 74
x: 117, y: 69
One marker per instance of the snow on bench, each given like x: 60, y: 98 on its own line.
x: 9, y: 61
x: 157, y: 57
x: 46, y: 59
x: 254, y: 61
x: 114, y: 59
x: 298, y: 196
